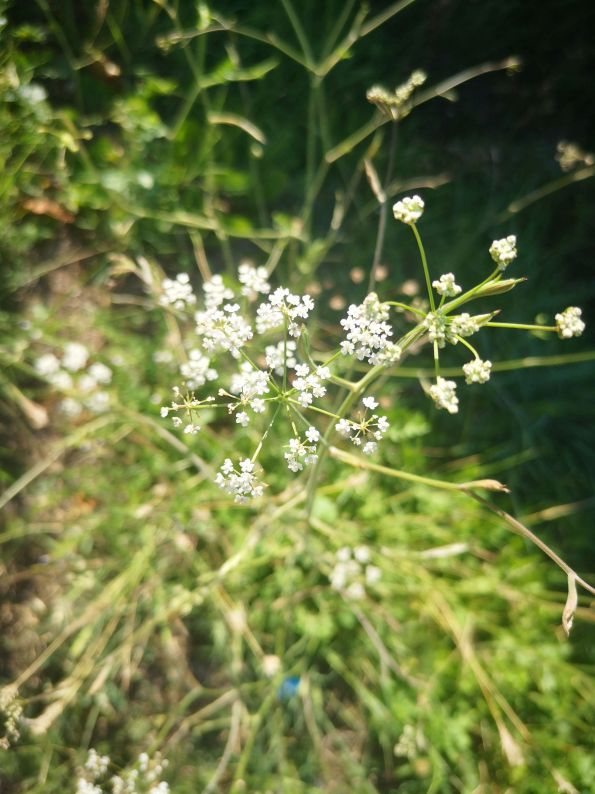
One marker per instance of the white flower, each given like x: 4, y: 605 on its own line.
x: 48, y: 364
x: 100, y: 373
x: 355, y: 591
x: 283, y: 306
x: 343, y: 427
x: 242, y: 483
x: 368, y: 333
x: 61, y: 380
x: 369, y: 402
x: 216, y: 292
x: 409, y: 210
x: 197, y: 370
x: 249, y: 383
x: 275, y: 354
x: 361, y: 553
x: 463, y: 325
x: 75, y: 356
x: 242, y: 418
x: 444, y: 395
x: 177, y: 292
x: 343, y: 554
x: 70, y: 407
x: 257, y: 405
x: 254, y: 280
x: 373, y: 574
x: 98, y: 402
x: 223, y: 329
x: 445, y: 285
x: 436, y: 327
x: 312, y: 435
x: 370, y: 447
x: 477, y: 371
x: 503, y: 251
x: 309, y: 384
x: 569, y: 322
x: 96, y: 764
x: 301, y: 454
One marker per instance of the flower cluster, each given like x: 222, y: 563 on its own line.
x: 142, y: 778
x: 368, y: 333
x: 368, y: 431
x: 283, y: 307
x: 409, y: 210
x: 309, y: 383
x: 281, y: 356
x: 569, y: 323
x: 82, y: 386
x: 177, y: 292
x: 477, y: 371
x: 446, y: 286
x: 223, y: 330
x: 241, y: 483
x: 197, y: 370
x: 444, y: 394
x: 248, y: 386
x: 253, y: 280
x: 352, y: 571
x: 503, y: 251
x: 302, y: 453
x: 215, y: 292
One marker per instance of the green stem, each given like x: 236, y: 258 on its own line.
x: 424, y: 263
x: 522, y: 326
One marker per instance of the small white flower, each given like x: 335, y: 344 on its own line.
x: 343, y: 427
x: 242, y: 418
x: 254, y: 280
x: 569, y: 322
x: 48, y: 364
x: 409, y: 210
x: 177, y: 292
x: 257, y: 405
x: 343, y: 554
x: 369, y: 402
x: 444, y: 395
x: 75, y: 356
x: 275, y: 354
x: 445, y: 285
x: 100, y: 373
x: 503, y: 251
x: 216, y: 292
x: 312, y: 435
x: 369, y: 448
x: 197, y: 370
x: 373, y: 574
x: 477, y: 371
x: 310, y: 384
x: 361, y: 553
x: 283, y: 307
x: 368, y: 332
x: 355, y: 591
x: 242, y: 483
x: 463, y: 325
x: 435, y: 323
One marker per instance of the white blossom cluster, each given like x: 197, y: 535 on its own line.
x: 197, y: 370
x: 352, y: 571
x: 442, y: 329
x: 444, y: 394
x: 302, y: 453
x: 242, y: 483
x: 223, y: 330
x: 216, y: 293
x: 309, y: 384
x: 368, y: 431
x: 435, y: 324
x: 248, y: 386
x: 142, y: 778
x: 368, y: 332
x: 82, y: 386
x: 446, y: 286
x: 569, y: 322
x: 283, y: 307
x: 253, y: 280
x: 503, y: 251
x: 409, y: 209
x: 280, y: 356
x: 464, y: 325
x: 177, y: 292
x: 477, y: 371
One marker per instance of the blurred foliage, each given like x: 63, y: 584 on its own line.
x: 182, y: 134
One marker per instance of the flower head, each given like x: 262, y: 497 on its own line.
x: 503, y: 251
x: 444, y: 395
x: 569, y: 322
x: 409, y: 210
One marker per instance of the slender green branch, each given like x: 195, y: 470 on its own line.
x: 424, y: 263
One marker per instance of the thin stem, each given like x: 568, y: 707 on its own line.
x: 314, y: 408
x: 424, y: 263
x: 383, y: 209
x: 406, y: 307
x: 522, y: 326
x: 468, y: 346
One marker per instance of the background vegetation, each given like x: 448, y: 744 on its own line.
x: 140, y: 608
